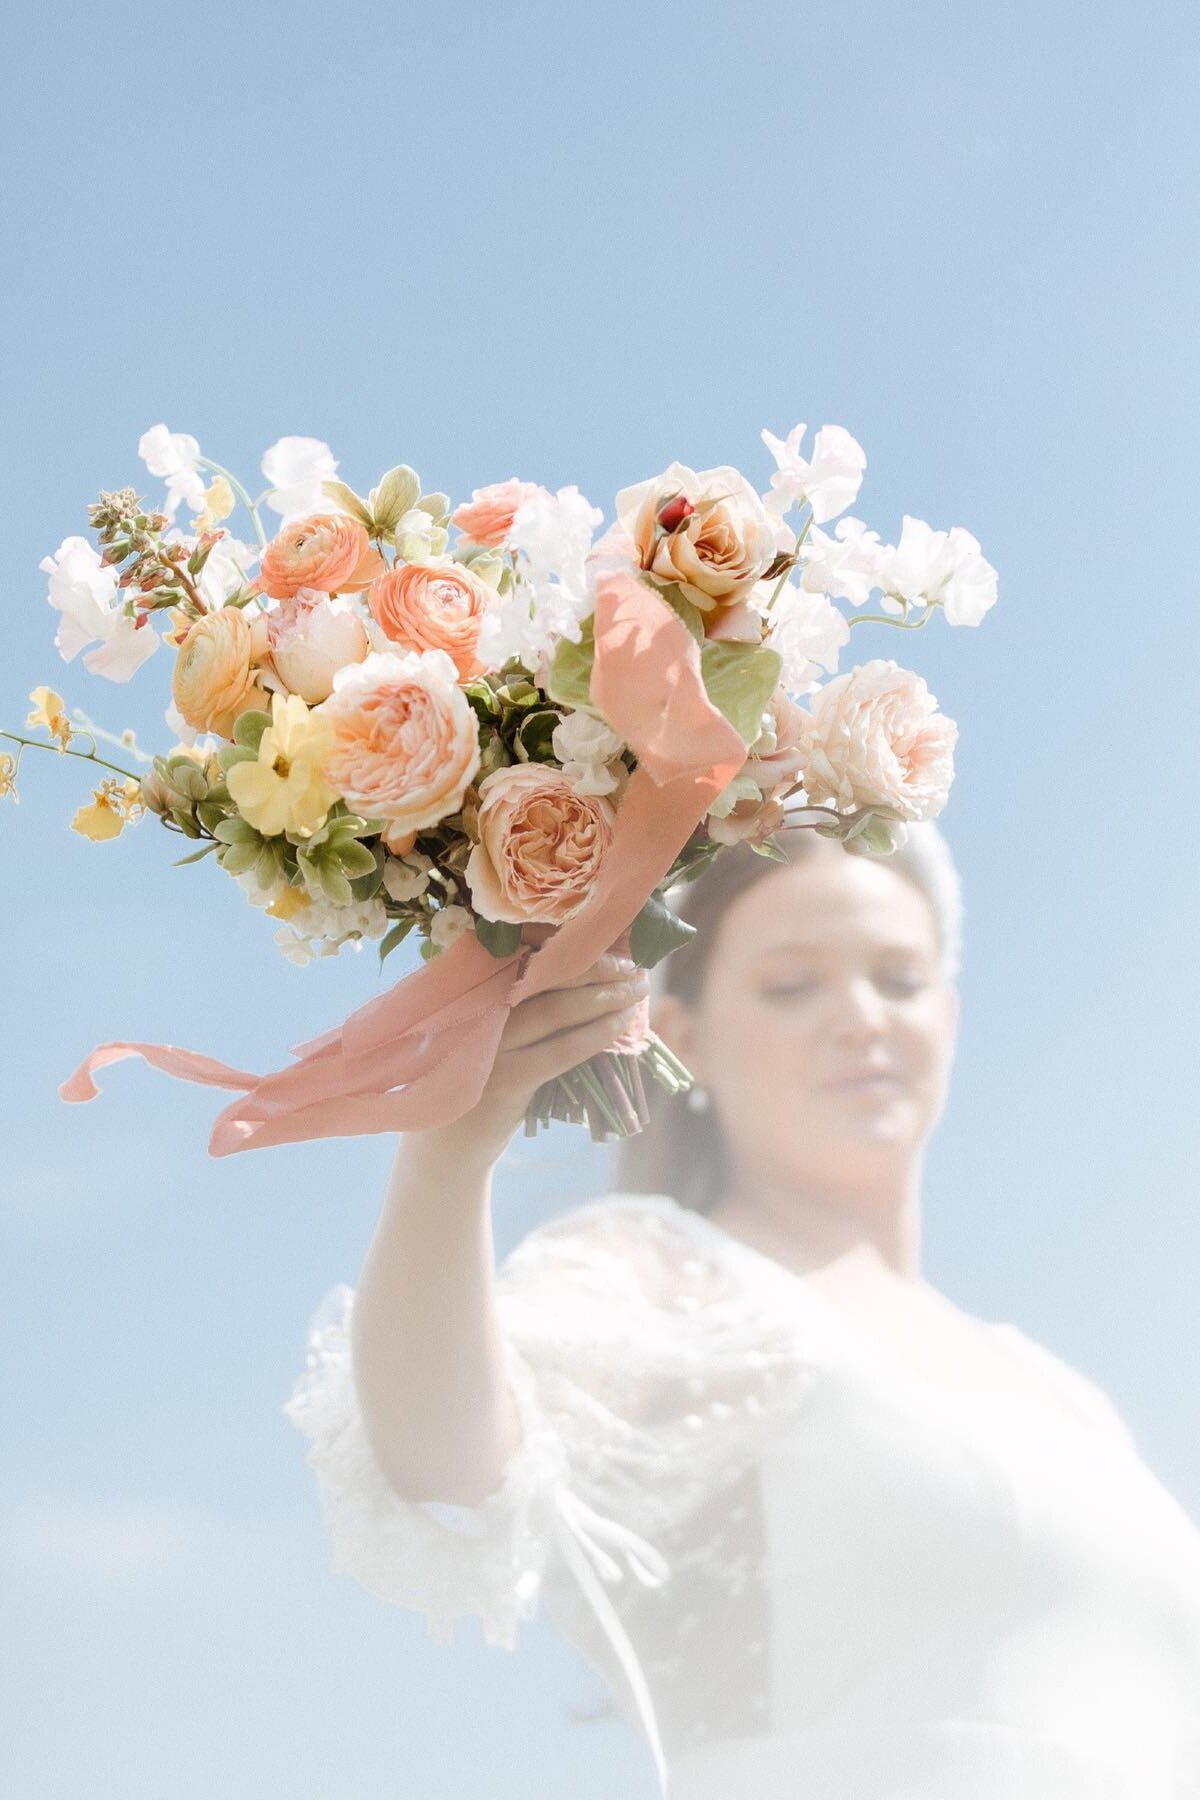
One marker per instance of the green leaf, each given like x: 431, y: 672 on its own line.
x: 399, y: 490
x: 236, y: 831
x: 498, y: 936
x: 332, y: 882
x: 395, y: 936
x: 248, y: 729
x: 268, y: 868
x: 688, y: 611
x: 534, y: 734
x: 570, y: 678
x: 195, y: 856
x: 210, y: 813
x: 229, y: 754
x: 185, y: 822
x: 739, y: 680
x: 354, y: 859
x: 656, y: 932
x: 238, y: 858
x: 337, y: 490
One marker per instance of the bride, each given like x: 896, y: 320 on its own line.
x: 825, y: 1533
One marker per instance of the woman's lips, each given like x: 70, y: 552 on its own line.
x: 863, y: 1084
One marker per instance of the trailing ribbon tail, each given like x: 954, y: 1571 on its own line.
x: 420, y: 1054
x: 578, y: 1530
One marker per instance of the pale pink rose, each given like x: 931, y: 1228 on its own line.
x: 330, y: 551
x: 405, y: 744
x: 488, y: 514
x: 312, y: 637
x: 434, y: 605
x: 874, y: 737
x: 541, y: 845
x: 707, y: 531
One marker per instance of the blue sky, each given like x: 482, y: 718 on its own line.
x: 571, y: 245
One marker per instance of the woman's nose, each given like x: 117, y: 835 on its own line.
x: 861, y: 1010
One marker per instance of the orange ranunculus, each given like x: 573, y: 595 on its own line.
x: 488, y: 515
x: 434, y: 605
x: 215, y: 678
x: 330, y: 551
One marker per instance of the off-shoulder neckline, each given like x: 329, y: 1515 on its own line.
x: 1075, y: 1390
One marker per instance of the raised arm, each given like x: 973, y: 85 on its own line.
x: 426, y: 1342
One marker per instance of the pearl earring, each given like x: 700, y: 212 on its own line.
x: 697, y: 1098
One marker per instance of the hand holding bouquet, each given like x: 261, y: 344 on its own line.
x: 481, y: 725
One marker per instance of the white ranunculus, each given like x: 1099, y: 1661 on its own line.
x: 846, y: 566
x: 808, y: 631
x: 174, y: 457
x: 829, y: 483
x: 87, y: 596
x: 295, y: 467
x: 942, y: 568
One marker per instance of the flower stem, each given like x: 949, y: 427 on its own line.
x: 887, y: 619
x: 83, y: 755
x: 239, y: 490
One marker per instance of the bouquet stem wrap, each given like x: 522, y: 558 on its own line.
x: 420, y: 1054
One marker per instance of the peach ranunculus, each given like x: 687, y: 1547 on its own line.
x: 488, y: 514
x: 541, y: 844
x: 438, y: 604
x: 405, y: 744
x: 707, y: 531
x: 215, y: 678
x: 874, y: 737
x: 330, y: 551
x: 312, y: 636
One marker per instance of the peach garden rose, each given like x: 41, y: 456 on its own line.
x: 541, y: 845
x: 330, y: 551
x: 707, y: 531
x: 874, y: 736
x: 405, y: 741
x: 215, y: 678
x: 438, y: 604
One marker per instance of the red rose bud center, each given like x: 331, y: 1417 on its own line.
x: 672, y: 513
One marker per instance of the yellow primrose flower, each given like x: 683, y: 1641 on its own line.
x: 286, y: 788
x: 288, y: 902
x: 115, y: 804
x: 218, y: 504
x: 49, y: 710
x: 8, y: 776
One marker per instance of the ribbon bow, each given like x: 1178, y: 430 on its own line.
x: 420, y: 1054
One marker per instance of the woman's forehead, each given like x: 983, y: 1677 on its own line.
x: 811, y: 905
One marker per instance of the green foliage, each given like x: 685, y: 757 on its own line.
x: 248, y: 729
x: 395, y: 936
x: 656, y: 932
x: 498, y: 936
x: 570, y: 677
x: 739, y: 680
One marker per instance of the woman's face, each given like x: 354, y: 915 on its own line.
x: 823, y: 970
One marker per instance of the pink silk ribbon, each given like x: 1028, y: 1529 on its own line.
x: 420, y: 1054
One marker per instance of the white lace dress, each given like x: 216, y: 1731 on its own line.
x: 806, y: 1572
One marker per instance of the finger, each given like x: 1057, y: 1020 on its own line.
x: 564, y: 1008
x: 536, y: 1063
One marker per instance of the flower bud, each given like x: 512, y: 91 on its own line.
x: 673, y: 512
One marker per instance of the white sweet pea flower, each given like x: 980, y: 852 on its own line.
x: 809, y: 632
x: 829, y: 483
x: 87, y: 595
x: 553, y: 535
x: 174, y: 456
x: 847, y: 566
x: 418, y: 538
x: 295, y: 467
x: 939, y: 568
x: 322, y: 928
x: 587, y: 747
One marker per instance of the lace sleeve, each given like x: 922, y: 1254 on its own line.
x: 644, y: 1376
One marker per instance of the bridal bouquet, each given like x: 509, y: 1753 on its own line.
x: 486, y: 726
